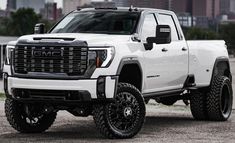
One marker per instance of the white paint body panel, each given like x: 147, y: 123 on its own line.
x: 202, y: 57
x: 88, y: 85
x: 170, y: 69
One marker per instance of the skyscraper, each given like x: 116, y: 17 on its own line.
x: 161, y: 4
x: 143, y: 3
x: 49, y: 11
x: 174, y: 5
x: 35, y: 4
x: 122, y: 3
x: 181, y: 6
x: 232, y: 6
x: 11, y: 4
x: 227, y: 6
x: 70, y: 5
x: 206, y: 8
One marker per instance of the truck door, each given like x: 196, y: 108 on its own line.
x: 166, y: 65
x: 177, y: 52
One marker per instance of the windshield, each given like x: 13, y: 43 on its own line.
x: 101, y: 22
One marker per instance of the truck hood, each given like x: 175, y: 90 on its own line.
x: 91, y: 39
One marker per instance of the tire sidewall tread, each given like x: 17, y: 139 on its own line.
x: 214, y: 99
x: 13, y: 115
x: 101, y: 119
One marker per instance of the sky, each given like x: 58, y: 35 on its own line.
x: 3, y: 3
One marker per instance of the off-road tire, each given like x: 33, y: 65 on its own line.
x: 220, y: 99
x: 14, y: 114
x: 198, y: 105
x: 102, y: 117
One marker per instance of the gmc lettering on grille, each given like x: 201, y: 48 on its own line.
x: 47, y: 53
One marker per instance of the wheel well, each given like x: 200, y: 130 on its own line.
x: 131, y: 74
x: 222, y: 68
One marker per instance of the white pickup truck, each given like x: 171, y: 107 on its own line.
x: 108, y: 62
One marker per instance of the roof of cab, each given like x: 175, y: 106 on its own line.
x: 134, y: 9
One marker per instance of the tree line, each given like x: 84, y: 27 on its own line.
x: 21, y: 22
x: 225, y: 32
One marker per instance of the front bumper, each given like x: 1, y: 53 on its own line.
x: 102, y: 88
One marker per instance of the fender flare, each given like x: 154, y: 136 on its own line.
x: 217, y: 61
x: 128, y: 61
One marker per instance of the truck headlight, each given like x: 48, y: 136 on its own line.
x: 9, y: 54
x: 101, y: 57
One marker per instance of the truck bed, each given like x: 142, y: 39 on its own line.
x: 202, y: 56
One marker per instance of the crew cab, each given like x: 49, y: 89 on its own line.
x: 108, y: 62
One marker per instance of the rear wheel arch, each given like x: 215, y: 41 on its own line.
x: 130, y: 71
x: 221, y: 67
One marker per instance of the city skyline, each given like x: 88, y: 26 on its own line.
x: 3, y: 3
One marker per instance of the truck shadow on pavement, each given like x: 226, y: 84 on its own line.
x: 86, y: 130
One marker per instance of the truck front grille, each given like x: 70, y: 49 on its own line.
x: 68, y: 60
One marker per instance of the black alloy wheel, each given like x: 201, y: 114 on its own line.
x: 122, y: 115
x: 123, y: 118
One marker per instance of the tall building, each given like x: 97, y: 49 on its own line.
x: 143, y: 3
x: 103, y: 4
x: 11, y: 4
x: 232, y: 6
x: 224, y: 6
x: 3, y: 13
x: 122, y: 3
x: 215, y: 8
x: 70, y: 5
x: 186, y: 20
x: 49, y: 11
x: 161, y: 4
x: 34, y: 4
x: 181, y: 6
x: 206, y: 8
x: 227, y: 6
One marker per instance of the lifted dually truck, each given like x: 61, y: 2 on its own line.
x: 108, y: 62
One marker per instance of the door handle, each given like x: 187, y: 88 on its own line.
x: 164, y: 50
x: 184, y: 49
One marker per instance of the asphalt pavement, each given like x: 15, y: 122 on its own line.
x: 163, y: 124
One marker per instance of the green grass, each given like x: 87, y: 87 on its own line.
x: 2, y: 96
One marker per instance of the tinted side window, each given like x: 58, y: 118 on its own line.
x: 168, y: 20
x: 149, y: 27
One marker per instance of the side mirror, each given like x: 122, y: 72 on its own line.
x: 163, y: 35
x: 39, y: 28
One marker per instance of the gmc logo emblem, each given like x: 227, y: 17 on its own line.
x: 48, y: 53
